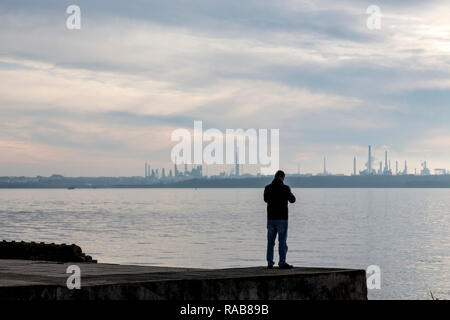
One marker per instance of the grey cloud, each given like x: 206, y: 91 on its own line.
x: 327, y: 30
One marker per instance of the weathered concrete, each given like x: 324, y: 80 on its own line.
x: 22, y: 279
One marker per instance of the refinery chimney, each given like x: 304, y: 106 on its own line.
x: 385, y: 162
x: 369, y: 164
x: 237, y: 165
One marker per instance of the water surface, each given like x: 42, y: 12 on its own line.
x: 403, y: 231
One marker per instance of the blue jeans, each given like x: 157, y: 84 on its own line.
x: 275, y: 227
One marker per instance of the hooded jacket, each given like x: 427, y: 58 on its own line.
x: 277, y: 195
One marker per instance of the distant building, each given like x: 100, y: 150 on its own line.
x: 368, y: 170
x: 440, y: 171
x: 387, y: 165
x: 425, y: 171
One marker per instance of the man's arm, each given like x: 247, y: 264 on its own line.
x: 266, y: 195
x: 291, y: 197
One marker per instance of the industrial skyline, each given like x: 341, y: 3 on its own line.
x: 184, y: 175
x: 236, y: 170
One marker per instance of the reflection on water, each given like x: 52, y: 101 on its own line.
x: 404, y: 231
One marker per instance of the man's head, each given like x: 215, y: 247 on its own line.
x: 280, y: 175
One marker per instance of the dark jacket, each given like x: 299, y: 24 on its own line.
x: 277, y: 195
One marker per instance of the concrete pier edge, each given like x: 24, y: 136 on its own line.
x: 39, y: 280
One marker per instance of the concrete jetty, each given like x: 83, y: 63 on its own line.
x: 44, y: 280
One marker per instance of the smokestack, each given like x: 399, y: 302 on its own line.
x: 369, y: 165
x: 396, y: 167
x: 385, y: 161
x: 237, y: 165
x: 175, y: 169
x: 324, y: 166
x: 354, y: 166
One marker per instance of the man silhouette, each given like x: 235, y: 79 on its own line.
x: 277, y: 195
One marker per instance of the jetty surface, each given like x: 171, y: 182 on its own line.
x: 46, y: 280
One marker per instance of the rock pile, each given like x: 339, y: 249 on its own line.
x: 43, y: 251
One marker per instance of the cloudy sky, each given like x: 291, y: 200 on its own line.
x: 104, y: 99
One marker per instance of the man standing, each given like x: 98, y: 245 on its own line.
x: 277, y: 195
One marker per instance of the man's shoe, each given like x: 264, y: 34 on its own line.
x: 286, y: 266
x: 270, y: 266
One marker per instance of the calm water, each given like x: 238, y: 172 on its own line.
x: 404, y: 231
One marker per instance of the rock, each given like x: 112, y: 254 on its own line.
x: 42, y: 251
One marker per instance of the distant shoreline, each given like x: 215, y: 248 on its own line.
x: 379, y: 181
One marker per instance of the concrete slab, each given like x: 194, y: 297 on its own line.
x: 25, y: 279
